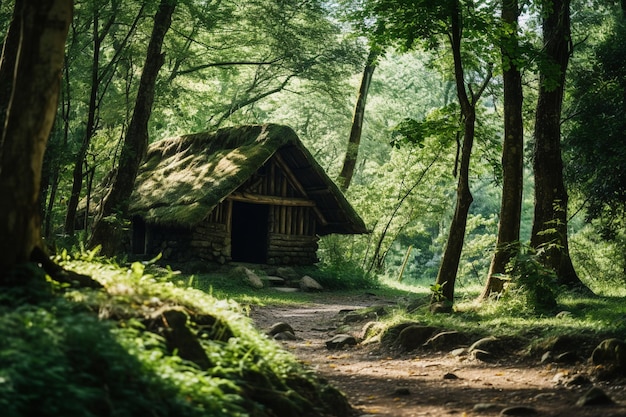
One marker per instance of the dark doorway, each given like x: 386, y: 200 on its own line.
x: 138, y: 246
x: 249, y: 232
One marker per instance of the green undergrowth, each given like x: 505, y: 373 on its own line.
x: 531, y: 310
x: 585, y: 320
x: 82, y: 352
x: 219, y: 281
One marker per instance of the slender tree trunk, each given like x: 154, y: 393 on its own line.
x: 449, y: 266
x: 90, y: 128
x: 507, y: 244
x: 106, y: 233
x: 446, y: 277
x: 100, y: 81
x: 41, y: 29
x: 549, y: 231
x: 352, y: 152
x: 56, y: 155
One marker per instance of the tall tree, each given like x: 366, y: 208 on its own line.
x: 406, y: 24
x: 352, y: 151
x: 32, y: 60
x: 446, y: 277
x: 100, y: 75
x: 595, y: 144
x: 507, y: 244
x: 549, y: 231
x: 107, y: 233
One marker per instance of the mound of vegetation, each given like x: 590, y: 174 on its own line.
x: 143, y: 346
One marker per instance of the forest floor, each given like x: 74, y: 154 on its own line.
x: 429, y: 383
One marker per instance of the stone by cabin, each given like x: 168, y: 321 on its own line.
x: 247, y: 194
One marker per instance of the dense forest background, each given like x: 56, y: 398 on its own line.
x: 302, y: 63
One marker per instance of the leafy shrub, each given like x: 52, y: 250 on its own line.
x: 532, y: 287
x: 341, y: 276
x: 338, y: 269
x: 87, y: 353
x: 64, y: 363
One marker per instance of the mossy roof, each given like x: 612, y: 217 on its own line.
x: 183, y: 178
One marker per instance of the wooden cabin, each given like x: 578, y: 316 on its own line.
x: 248, y: 194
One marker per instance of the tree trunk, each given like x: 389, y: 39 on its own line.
x: 507, y: 243
x: 106, y: 233
x: 41, y: 30
x: 352, y: 152
x: 9, y: 55
x: 446, y: 277
x: 549, y: 231
x: 55, y: 157
x: 90, y: 129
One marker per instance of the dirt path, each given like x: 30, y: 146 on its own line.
x: 425, y: 383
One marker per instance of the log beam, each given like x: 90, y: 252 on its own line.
x: 273, y: 200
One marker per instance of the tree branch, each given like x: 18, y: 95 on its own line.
x: 223, y: 64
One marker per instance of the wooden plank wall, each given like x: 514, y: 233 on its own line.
x: 292, y: 236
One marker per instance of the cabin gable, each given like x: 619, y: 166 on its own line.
x: 248, y: 194
x: 268, y: 219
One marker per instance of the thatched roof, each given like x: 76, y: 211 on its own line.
x: 185, y: 177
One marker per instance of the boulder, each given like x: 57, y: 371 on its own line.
x: 364, y: 314
x: 280, y: 327
x: 445, y: 340
x: 414, y: 336
x: 390, y: 335
x: 285, y: 336
x: 248, y: 276
x: 519, y: 410
x: 402, y: 391
x: 341, y: 340
x: 610, y: 353
x: 485, y: 407
x: 595, y: 396
x: 309, y: 284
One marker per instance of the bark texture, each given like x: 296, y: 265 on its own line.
x: 107, y: 233
x: 507, y: 243
x: 41, y: 30
x: 549, y: 231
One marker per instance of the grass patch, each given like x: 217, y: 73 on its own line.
x: 220, y: 282
x: 584, y: 320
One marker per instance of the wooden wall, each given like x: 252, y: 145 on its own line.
x: 292, y: 221
x: 292, y: 238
